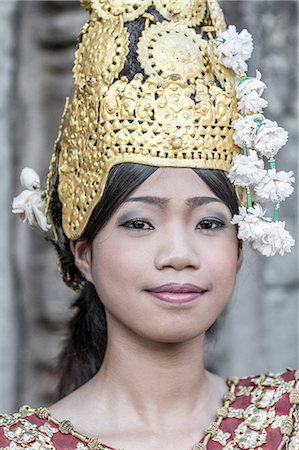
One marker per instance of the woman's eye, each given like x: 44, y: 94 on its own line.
x: 210, y: 224
x: 138, y: 225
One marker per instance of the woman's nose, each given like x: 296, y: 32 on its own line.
x: 177, y: 251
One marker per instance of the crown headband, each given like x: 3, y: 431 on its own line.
x: 191, y: 105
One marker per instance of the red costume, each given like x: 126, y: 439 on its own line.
x: 258, y: 413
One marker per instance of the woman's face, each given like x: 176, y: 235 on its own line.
x: 165, y: 264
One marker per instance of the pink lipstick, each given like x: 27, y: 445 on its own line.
x: 176, y: 293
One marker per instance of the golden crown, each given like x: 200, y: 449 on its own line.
x: 177, y: 111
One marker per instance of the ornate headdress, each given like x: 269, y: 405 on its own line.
x: 188, y: 104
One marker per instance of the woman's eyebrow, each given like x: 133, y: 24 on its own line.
x: 158, y: 201
x: 193, y: 202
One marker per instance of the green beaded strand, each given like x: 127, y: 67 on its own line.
x: 245, y: 150
x: 248, y: 199
x: 276, y: 215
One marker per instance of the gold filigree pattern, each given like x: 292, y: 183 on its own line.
x: 216, y: 16
x: 86, y: 5
x: 190, y: 11
x: 127, y: 9
x: 150, y: 122
x: 101, y: 55
x: 167, y: 48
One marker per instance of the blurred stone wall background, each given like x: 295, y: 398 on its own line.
x: 37, y: 40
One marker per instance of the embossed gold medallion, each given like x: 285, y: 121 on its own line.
x: 101, y: 55
x: 190, y: 11
x: 169, y: 48
x: 128, y: 9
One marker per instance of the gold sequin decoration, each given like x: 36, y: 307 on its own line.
x: 256, y: 418
x: 265, y: 398
x: 128, y: 9
x: 190, y: 11
x: 169, y: 48
x: 101, y: 55
x: 247, y: 438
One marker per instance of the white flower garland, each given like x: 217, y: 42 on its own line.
x: 260, y: 139
x: 30, y: 204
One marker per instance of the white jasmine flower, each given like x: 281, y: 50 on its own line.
x: 249, y: 222
x: 30, y: 204
x: 275, y: 186
x: 248, y: 84
x: 250, y: 231
x: 263, y: 234
x: 245, y: 130
x: 234, y: 48
x: 30, y: 179
x: 251, y: 103
x: 274, y: 239
x: 250, y: 215
x: 247, y: 170
x: 269, y: 138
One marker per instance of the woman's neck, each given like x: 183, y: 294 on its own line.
x: 154, y: 378
x: 159, y: 393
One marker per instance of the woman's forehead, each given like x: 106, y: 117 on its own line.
x: 174, y: 182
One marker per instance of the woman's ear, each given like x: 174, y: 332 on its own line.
x: 82, y: 256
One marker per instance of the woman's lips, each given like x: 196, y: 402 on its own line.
x: 176, y: 293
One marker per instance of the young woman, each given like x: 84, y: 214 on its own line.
x: 145, y: 221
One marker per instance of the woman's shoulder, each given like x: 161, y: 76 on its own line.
x: 35, y: 428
